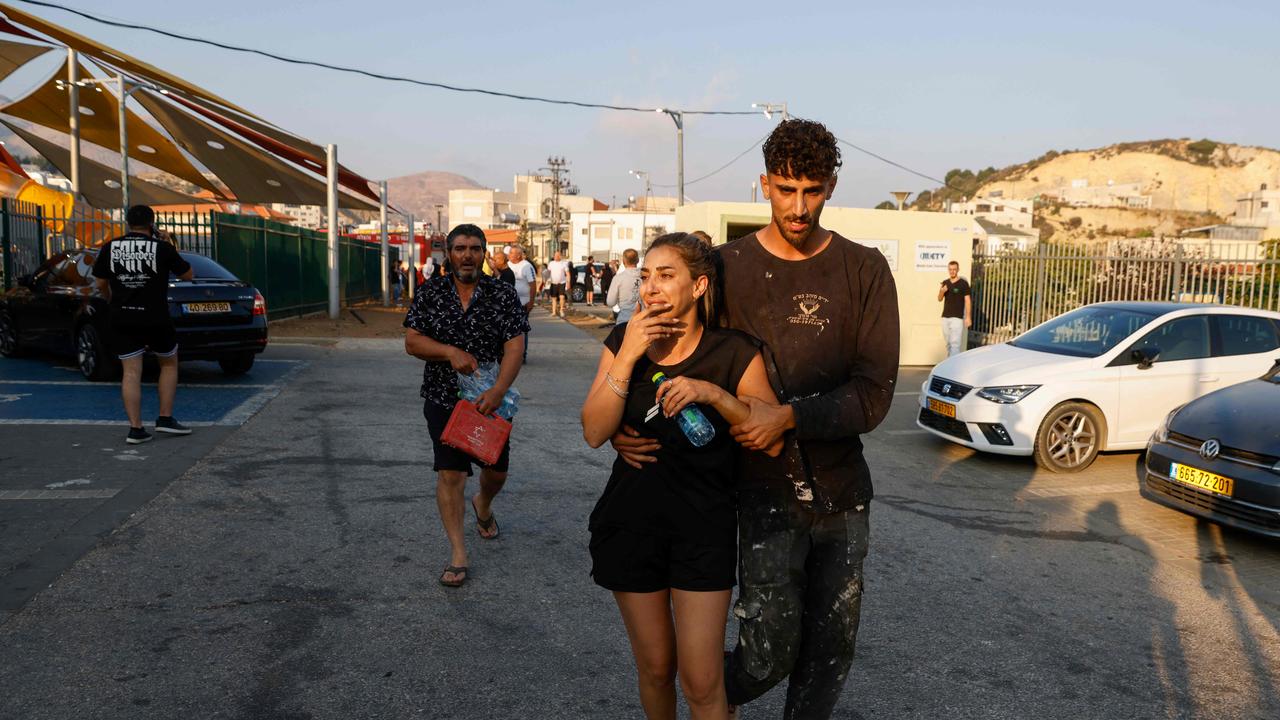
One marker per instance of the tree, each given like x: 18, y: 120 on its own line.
x: 886, y: 205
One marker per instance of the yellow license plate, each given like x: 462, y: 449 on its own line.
x: 1197, y: 478
x: 208, y: 307
x: 942, y: 408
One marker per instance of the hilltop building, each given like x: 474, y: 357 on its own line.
x: 307, y: 216
x: 529, y: 206
x: 1123, y: 195
x: 1016, y: 214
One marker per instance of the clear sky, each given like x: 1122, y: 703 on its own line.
x: 932, y: 85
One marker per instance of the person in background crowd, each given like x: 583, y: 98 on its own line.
x: 705, y: 238
x: 590, y: 276
x: 559, y: 274
x: 132, y: 274
x: 456, y: 324
x: 624, y: 293
x: 606, y: 278
x: 501, y: 269
x: 957, y: 307
x: 396, y: 282
x: 526, y: 279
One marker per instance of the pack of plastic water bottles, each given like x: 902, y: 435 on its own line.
x: 472, y: 386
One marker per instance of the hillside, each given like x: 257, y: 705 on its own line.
x: 419, y: 193
x: 1180, y: 175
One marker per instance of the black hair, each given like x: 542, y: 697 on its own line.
x: 466, y: 230
x: 140, y: 216
x: 698, y: 256
x: 802, y: 149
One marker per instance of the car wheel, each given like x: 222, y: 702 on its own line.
x: 8, y: 335
x: 236, y: 364
x: 1070, y: 438
x: 578, y: 294
x: 91, y: 355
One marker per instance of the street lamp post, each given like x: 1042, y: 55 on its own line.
x: 677, y: 117
x: 122, y: 117
x: 770, y: 108
x: 644, y: 216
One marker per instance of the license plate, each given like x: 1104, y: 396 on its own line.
x: 942, y: 408
x: 207, y: 307
x: 1197, y: 478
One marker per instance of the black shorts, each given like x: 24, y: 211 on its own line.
x: 559, y: 290
x: 132, y: 340
x: 627, y: 561
x: 449, y: 458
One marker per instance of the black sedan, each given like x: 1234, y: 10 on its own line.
x: 58, y: 309
x: 1218, y: 456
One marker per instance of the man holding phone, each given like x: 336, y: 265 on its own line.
x: 132, y: 273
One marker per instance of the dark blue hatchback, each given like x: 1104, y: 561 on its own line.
x: 1218, y: 456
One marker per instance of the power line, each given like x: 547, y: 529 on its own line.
x: 369, y: 73
x: 725, y: 166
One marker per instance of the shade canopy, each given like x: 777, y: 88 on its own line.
x: 14, y: 55
x: 100, y: 184
x: 48, y: 105
x: 253, y: 176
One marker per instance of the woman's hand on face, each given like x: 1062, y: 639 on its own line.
x: 646, y: 326
x: 676, y: 393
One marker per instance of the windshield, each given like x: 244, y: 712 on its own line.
x: 1087, y: 332
x: 206, y: 269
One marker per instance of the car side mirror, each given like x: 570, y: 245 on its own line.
x: 1144, y: 357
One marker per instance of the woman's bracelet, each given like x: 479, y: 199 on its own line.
x: 617, y: 386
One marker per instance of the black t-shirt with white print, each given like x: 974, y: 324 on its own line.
x: 138, y: 267
x: 689, y: 492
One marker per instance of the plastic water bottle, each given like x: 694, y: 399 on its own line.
x: 471, y: 386
x: 692, y: 422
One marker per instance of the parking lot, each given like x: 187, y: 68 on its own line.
x: 69, y: 479
x: 291, y: 572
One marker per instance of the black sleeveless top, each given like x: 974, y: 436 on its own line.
x: 689, y: 492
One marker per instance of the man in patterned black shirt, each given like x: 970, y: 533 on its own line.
x: 456, y: 324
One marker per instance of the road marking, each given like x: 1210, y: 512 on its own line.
x: 1077, y: 490
x: 906, y: 432
x: 69, y: 483
x: 86, y: 383
x: 913, y: 392
x: 121, y: 422
x: 58, y: 494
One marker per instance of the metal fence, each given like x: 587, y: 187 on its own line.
x: 286, y: 263
x: 1014, y: 291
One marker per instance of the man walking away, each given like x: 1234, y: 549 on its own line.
x: 624, y: 292
x: 132, y: 274
x: 526, y: 279
x: 560, y: 269
x: 456, y: 324
x: 501, y: 268
x: 957, y: 307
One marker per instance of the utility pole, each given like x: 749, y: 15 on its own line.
x: 382, y: 233
x: 73, y: 86
x: 558, y: 167
x: 331, y: 200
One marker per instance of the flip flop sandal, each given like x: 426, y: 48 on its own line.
x: 459, y: 572
x: 487, y: 525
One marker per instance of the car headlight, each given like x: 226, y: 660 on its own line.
x: 1162, y: 431
x: 1007, y: 394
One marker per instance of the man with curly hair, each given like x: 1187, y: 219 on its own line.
x: 826, y: 312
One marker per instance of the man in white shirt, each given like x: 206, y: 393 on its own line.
x: 525, y: 280
x: 559, y: 268
x: 624, y: 292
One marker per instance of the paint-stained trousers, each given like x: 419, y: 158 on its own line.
x: 800, y: 597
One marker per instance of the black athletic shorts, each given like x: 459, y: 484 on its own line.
x: 558, y: 290
x: 132, y: 340
x: 448, y: 458
x: 627, y: 561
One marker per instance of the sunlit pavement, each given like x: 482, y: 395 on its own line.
x: 292, y: 573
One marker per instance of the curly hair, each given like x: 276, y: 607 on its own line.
x: 802, y: 148
x: 697, y: 255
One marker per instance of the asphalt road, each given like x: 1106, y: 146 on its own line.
x: 291, y: 573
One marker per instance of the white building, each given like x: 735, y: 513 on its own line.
x: 605, y: 234
x: 1016, y: 214
x: 531, y: 200
x: 1124, y: 195
x: 307, y: 216
x: 993, y: 237
x: 1260, y: 208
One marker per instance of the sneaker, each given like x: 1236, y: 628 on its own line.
x: 171, y: 426
x: 137, y: 436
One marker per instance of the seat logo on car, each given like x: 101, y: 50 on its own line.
x: 1209, y: 450
x: 946, y: 389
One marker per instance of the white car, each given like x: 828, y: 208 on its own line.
x: 1101, y: 377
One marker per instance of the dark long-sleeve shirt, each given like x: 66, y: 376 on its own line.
x: 829, y: 325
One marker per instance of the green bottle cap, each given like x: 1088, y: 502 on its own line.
x: 658, y: 377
